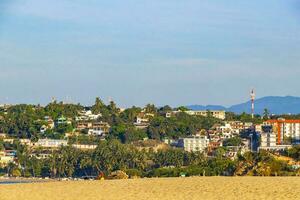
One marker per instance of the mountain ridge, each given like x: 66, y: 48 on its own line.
x: 275, y: 105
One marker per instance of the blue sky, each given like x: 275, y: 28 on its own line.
x: 148, y: 51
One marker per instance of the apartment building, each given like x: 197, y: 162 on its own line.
x: 268, y: 140
x: 194, y: 143
x: 284, y: 129
x: 220, y: 114
x: 50, y: 143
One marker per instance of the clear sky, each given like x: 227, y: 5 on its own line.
x: 176, y: 52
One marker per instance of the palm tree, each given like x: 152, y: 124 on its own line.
x: 266, y: 114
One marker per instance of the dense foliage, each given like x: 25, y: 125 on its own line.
x: 112, y: 156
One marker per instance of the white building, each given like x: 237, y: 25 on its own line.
x: 87, y: 115
x: 268, y: 140
x: 285, y: 128
x: 226, y: 130
x: 49, y: 143
x: 26, y: 142
x: 96, y: 131
x: 220, y: 114
x: 84, y: 146
x: 194, y: 143
x: 7, y: 157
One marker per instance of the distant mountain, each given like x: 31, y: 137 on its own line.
x: 275, y: 105
x: 208, y: 107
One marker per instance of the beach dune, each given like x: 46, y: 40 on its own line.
x: 162, y: 189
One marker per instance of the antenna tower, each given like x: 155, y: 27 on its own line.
x: 252, y: 95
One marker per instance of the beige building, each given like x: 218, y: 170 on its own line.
x: 50, y: 143
x: 7, y: 157
x: 219, y: 114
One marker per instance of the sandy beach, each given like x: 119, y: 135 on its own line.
x: 162, y: 189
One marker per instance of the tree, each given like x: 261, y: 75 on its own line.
x: 150, y: 108
x: 266, y: 114
x: 235, y: 141
x: 182, y: 108
x: 98, y: 106
x: 16, y: 172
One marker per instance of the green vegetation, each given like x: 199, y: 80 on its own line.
x: 112, y: 156
x: 235, y: 141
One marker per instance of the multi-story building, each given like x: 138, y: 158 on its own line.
x: 87, y: 115
x: 84, y: 146
x: 94, y: 128
x: 285, y: 129
x: 268, y: 140
x: 220, y: 114
x: 86, y: 125
x: 49, y: 143
x: 194, y: 143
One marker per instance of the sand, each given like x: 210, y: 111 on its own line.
x: 162, y: 189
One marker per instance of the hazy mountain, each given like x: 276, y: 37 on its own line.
x: 208, y: 107
x: 275, y: 104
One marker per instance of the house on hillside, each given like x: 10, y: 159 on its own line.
x: 7, y: 156
x: 94, y: 128
x: 194, y: 143
x: 50, y: 143
x: 219, y: 114
x: 87, y: 115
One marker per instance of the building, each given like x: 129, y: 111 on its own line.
x: 84, y: 146
x: 104, y: 126
x: 50, y: 143
x: 194, y: 143
x: 7, y: 157
x: 269, y: 140
x: 40, y: 156
x: 168, y: 114
x: 142, y: 120
x: 43, y: 129
x: 50, y: 122
x: 253, y: 138
x: 87, y: 115
x: 94, y: 128
x: 219, y: 114
x: 96, y: 132
x: 285, y: 130
x: 225, y: 130
x: 3, y: 135
x: 213, y: 145
x: 62, y: 120
x: 26, y: 142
